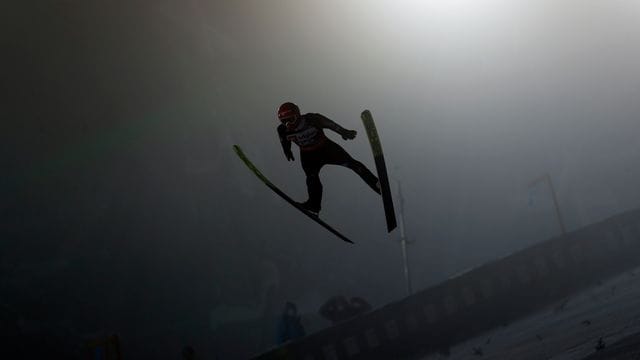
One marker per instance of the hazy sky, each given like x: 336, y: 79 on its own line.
x: 474, y: 100
x: 121, y: 117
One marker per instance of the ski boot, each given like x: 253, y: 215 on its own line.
x: 308, y: 207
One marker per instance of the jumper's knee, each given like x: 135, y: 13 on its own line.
x: 353, y: 164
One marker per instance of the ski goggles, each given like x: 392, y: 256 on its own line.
x: 290, y: 121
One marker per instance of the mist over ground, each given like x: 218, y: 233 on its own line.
x: 124, y: 209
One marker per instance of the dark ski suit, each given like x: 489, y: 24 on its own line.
x: 316, y: 150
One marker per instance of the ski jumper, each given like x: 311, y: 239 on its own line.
x: 316, y: 150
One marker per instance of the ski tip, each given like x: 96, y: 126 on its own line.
x: 366, y: 113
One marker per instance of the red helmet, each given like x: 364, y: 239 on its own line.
x: 288, y: 111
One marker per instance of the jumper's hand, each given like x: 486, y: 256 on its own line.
x: 349, y: 134
x: 289, y: 156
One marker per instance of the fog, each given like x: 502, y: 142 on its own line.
x: 124, y: 209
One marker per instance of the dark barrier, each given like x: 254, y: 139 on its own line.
x: 491, y: 295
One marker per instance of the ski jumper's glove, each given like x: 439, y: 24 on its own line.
x: 289, y: 155
x: 349, y: 134
x: 286, y: 144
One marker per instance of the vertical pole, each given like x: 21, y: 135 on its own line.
x: 547, y: 178
x: 403, y: 242
x: 555, y: 204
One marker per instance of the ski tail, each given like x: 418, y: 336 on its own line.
x: 378, y: 156
x: 286, y: 197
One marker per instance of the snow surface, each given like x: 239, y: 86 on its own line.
x: 570, y: 329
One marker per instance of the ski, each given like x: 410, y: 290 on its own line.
x: 286, y: 197
x: 378, y: 156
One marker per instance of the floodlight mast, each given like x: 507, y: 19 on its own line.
x: 546, y: 178
x: 404, y: 241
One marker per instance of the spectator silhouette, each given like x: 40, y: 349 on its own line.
x: 289, y: 325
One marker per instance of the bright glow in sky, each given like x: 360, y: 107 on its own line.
x: 442, y: 11
x: 420, y: 22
